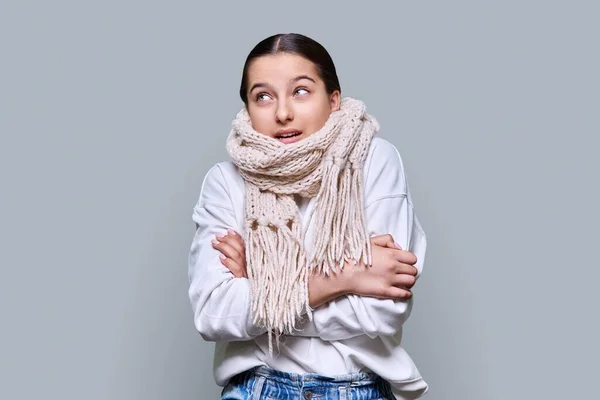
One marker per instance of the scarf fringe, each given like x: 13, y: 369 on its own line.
x: 271, y: 245
x: 342, y: 235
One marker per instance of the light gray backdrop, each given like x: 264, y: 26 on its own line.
x: 113, y: 111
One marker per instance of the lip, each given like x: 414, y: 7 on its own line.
x: 289, y: 139
x: 286, y: 131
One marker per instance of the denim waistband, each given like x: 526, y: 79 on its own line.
x: 353, y: 379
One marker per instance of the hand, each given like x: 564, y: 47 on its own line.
x: 391, y: 276
x: 233, y: 250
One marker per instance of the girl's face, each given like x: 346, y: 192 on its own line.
x: 287, y: 99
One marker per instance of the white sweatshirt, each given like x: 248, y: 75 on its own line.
x: 346, y: 335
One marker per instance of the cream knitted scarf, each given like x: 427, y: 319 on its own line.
x: 327, y: 165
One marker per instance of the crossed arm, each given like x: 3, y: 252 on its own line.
x: 361, y: 300
x: 373, y: 301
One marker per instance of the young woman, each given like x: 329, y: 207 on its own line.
x: 307, y: 244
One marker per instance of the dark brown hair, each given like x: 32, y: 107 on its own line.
x: 293, y: 43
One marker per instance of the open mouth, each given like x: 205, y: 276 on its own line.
x: 288, y: 135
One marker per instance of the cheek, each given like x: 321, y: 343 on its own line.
x: 317, y: 118
x: 313, y: 114
x: 259, y: 121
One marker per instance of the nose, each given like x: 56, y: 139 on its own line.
x: 284, y: 112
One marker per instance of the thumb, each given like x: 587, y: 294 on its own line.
x: 385, y: 241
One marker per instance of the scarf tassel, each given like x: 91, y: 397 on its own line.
x: 342, y: 233
x: 281, y: 283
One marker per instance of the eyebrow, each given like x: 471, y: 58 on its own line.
x: 266, y: 85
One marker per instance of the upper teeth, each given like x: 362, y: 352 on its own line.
x: 288, y: 134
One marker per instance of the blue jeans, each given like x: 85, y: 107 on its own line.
x: 262, y: 383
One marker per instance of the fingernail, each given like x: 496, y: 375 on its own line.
x: 222, y: 258
x: 215, y: 242
x: 232, y: 232
x: 398, y: 246
x: 220, y: 237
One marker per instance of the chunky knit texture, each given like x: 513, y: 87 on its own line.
x: 327, y: 165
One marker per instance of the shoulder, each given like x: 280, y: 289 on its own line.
x: 218, y: 184
x: 384, y: 170
x: 382, y: 146
x: 383, y: 153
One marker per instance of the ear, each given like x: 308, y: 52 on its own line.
x: 335, y: 100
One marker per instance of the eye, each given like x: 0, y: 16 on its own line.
x: 262, y: 97
x: 301, y: 91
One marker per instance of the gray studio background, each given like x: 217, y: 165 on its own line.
x: 111, y: 113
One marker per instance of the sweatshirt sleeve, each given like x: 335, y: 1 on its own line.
x: 389, y: 209
x: 220, y: 302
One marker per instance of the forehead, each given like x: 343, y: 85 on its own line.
x: 280, y: 67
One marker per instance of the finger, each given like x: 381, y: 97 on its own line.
x: 235, y: 235
x: 404, y: 281
x: 395, y: 246
x: 407, y: 269
x: 407, y: 257
x: 234, y: 267
x: 403, y: 256
x: 227, y: 250
x: 236, y: 242
x: 383, y: 240
x: 397, y: 293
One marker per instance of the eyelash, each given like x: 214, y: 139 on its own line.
x: 258, y: 96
